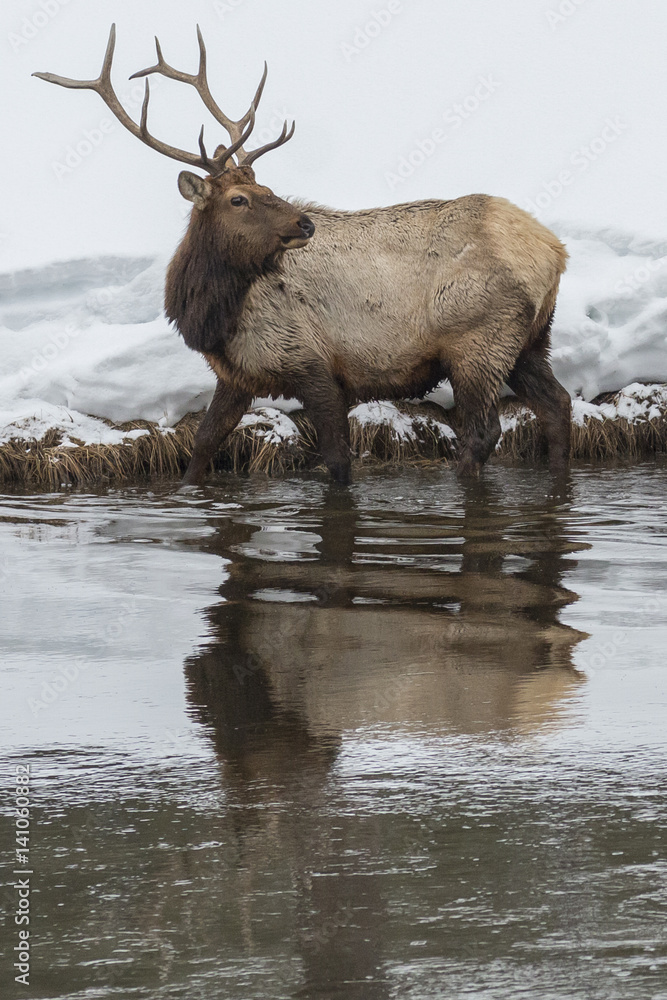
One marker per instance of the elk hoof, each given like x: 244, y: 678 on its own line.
x: 559, y: 467
x: 340, y: 473
x: 468, y: 469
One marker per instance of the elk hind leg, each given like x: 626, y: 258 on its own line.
x: 227, y: 407
x: 478, y: 435
x: 477, y: 372
x: 534, y: 383
x: 476, y: 392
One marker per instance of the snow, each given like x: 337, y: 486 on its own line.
x: 405, y: 426
x: 550, y: 107
x: 384, y: 413
x: 90, y: 336
x: 33, y: 419
x: 610, y: 327
x: 635, y: 403
x: 271, y: 424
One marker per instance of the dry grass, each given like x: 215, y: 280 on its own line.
x: 594, y: 440
x: 46, y: 463
x: 428, y: 441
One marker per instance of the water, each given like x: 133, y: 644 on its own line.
x: 403, y: 741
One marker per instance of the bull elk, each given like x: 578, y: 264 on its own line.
x: 382, y: 303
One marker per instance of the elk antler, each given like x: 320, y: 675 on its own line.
x: 239, y: 131
x: 199, y: 81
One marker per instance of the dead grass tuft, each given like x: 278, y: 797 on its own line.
x: 418, y: 434
x: 595, y: 440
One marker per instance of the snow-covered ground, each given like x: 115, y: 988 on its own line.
x: 88, y: 338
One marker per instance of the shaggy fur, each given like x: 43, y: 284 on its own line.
x: 382, y: 304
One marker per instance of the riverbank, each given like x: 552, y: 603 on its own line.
x: 625, y: 426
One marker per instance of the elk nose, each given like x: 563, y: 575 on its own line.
x: 307, y: 226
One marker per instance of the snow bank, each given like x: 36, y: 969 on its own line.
x: 89, y: 336
x: 636, y: 403
x: 88, y: 339
x: 610, y: 327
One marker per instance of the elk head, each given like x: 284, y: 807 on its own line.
x: 248, y: 222
x: 246, y: 219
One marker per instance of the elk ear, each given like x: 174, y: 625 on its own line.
x: 193, y: 188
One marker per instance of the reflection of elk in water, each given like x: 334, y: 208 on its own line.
x: 410, y: 622
x: 436, y: 622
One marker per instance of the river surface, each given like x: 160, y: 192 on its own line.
x: 403, y: 741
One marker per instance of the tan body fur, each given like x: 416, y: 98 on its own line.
x: 378, y: 296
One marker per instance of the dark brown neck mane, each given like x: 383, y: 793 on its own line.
x: 207, y: 283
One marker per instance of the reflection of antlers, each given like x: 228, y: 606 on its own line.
x: 239, y: 131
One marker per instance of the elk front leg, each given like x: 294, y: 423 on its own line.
x: 227, y: 407
x: 325, y: 404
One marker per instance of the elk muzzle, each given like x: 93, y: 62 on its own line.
x: 304, y: 229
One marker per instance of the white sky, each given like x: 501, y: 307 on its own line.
x: 554, y: 86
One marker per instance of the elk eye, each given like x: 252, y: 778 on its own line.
x: 238, y: 199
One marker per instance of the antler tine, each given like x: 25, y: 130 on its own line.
x: 103, y: 86
x: 235, y: 126
x: 257, y: 98
x: 202, y: 147
x: 199, y: 81
x: 248, y: 158
x: 228, y: 151
x: 163, y: 67
x: 65, y: 81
